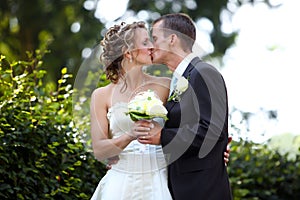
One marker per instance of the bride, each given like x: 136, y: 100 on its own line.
x: 140, y: 172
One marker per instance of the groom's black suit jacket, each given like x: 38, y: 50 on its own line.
x: 195, y: 136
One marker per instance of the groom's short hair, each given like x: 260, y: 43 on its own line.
x: 179, y: 23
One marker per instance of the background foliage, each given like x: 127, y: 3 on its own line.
x: 42, y: 156
x: 28, y: 26
x: 43, y: 151
x: 258, y: 172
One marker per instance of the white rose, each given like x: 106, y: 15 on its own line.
x: 182, y: 84
x: 157, y: 110
x: 146, y: 105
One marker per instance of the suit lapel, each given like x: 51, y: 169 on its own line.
x: 190, y: 67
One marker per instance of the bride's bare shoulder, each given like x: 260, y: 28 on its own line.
x: 163, y: 81
x: 104, y: 91
x: 161, y: 85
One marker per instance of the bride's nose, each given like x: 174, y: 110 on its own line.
x: 150, y: 50
x: 151, y: 45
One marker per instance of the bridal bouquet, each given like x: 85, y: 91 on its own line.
x: 146, y: 105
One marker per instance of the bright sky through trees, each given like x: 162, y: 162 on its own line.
x: 262, y: 69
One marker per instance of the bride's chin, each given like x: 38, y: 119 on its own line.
x: 149, y: 62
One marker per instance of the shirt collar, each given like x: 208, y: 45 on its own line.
x: 183, y: 65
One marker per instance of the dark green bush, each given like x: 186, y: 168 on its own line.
x: 42, y: 156
x: 259, y: 173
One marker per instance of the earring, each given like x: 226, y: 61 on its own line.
x: 130, y: 59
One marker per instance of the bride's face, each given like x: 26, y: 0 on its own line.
x: 143, y: 46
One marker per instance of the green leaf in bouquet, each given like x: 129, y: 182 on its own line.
x: 136, y: 116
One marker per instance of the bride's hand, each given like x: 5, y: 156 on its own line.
x: 153, y: 135
x: 141, y: 129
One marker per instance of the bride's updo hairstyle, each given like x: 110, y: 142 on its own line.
x: 117, y: 40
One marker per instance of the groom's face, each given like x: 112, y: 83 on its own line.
x: 160, y: 43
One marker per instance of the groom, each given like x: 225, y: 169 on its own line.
x: 196, y: 134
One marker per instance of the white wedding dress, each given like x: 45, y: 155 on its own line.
x: 141, y: 172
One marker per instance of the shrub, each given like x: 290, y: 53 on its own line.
x: 256, y: 172
x: 42, y: 156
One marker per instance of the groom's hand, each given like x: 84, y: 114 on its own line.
x: 153, y: 136
x: 111, y: 161
x: 227, y: 152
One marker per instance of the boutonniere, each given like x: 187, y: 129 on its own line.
x: 181, y: 86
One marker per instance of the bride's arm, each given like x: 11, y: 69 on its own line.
x: 103, y: 146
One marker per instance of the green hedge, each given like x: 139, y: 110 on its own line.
x: 43, y: 154
x: 259, y: 172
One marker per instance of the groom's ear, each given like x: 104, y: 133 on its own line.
x: 173, y: 39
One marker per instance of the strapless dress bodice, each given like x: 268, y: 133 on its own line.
x: 119, y: 121
x: 141, y: 154
x: 141, y: 171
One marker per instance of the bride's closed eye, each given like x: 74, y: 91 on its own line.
x: 146, y: 42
